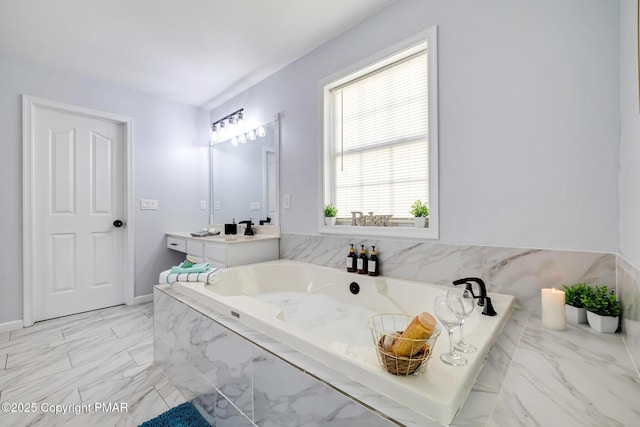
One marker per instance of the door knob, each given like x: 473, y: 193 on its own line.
x: 117, y: 223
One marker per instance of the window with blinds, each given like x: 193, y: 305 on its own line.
x: 379, y: 139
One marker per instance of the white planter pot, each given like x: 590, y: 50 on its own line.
x: 329, y: 220
x: 575, y: 314
x: 420, y: 221
x: 606, y: 324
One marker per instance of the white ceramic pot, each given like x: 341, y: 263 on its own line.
x: 420, y: 221
x: 329, y: 220
x: 575, y: 314
x: 606, y: 324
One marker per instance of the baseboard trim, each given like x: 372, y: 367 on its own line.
x: 143, y: 299
x: 14, y: 325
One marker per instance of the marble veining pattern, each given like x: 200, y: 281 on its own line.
x: 628, y: 288
x: 581, y: 377
x: 518, y: 272
x: 81, y: 359
x: 577, y: 377
x: 277, y: 395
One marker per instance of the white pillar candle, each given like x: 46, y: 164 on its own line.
x: 553, y: 310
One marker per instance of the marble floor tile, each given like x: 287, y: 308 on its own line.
x: 56, y: 324
x: 169, y: 393
x: 45, y: 412
x: 101, y: 356
x: 40, y: 353
x: 56, y: 363
x: 38, y: 339
x: 108, y: 347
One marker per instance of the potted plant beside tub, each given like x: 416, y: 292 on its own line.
x: 603, y: 309
x: 420, y: 213
x: 575, y: 311
x: 330, y: 213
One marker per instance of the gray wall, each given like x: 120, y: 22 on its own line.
x: 529, y: 115
x: 170, y: 165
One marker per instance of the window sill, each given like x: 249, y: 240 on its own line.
x: 393, y: 231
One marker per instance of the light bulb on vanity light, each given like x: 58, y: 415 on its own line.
x: 213, y: 135
x: 242, y: 138
x: 251, y: 135
x: 261, y: 131
x: 234, y: 141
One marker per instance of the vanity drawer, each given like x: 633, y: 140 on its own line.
x: 195, y: 248
x: 176, y: 244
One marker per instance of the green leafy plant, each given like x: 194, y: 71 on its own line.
x: 418, y: 209
x: 575, y: 293
x: 602, y: 302
x: 330, y: 210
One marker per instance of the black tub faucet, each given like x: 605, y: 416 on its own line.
x: 483, y: 299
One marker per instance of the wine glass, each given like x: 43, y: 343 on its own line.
x: 468, y: 304
x: 448, y: 309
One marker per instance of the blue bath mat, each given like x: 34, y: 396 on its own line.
x: 185, y: 415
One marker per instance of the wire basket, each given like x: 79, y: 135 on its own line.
x: 385, y: 329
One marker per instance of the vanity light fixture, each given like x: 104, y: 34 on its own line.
x: 231, y: 127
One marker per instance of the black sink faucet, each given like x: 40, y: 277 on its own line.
x: 483, y: 299
x: 248, y: 231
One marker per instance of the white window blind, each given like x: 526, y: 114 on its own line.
x: 379, y: 140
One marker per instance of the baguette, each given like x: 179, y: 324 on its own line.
x: 415, y: 335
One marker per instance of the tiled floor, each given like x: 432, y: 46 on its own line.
x: 84, y: 363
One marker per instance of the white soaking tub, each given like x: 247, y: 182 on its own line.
x: 313, y: 310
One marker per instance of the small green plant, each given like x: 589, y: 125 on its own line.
x: 418, y: 209
x: 330, y: 210
x: 602, y: 302
x: 575, y: 293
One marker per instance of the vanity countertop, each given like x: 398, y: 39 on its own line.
x: 231, y: 239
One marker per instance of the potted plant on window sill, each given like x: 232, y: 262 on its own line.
x: 575, y: 311
x: 420, y: 213
x: 603, y: 309
x: 330, y: 213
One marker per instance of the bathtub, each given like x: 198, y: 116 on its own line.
x: 323, y: 313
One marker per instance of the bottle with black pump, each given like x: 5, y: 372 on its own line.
x: 373, y: 266
x: 352, y: 260
x: 362, y: 261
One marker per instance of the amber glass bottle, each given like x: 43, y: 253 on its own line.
x: 373, y: 265
x: 362, y: 261
x: 351, y: 260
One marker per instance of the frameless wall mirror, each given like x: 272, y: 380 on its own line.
x: 244, y: 175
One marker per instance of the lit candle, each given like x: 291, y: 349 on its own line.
x: 553, y: 310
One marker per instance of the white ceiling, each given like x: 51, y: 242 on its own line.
x: 198, y: 52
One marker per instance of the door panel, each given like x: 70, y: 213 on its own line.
x: 79, y: 192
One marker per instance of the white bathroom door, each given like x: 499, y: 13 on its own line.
x: 78, y: 198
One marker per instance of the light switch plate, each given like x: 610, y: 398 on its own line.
x: 287, y: 201
x: 148, y: 204
x: 203, y: 205
x: 254, y: 206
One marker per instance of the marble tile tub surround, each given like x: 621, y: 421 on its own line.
x: 518, y: 272
x: 234, y: 381
x: 533, y: 376
x: 628, y: 286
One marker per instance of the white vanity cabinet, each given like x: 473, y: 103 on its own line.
x: 221, y: 252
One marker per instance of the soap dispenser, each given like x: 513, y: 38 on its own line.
x: 373, y: 265
x: 362, y: 261
x: 351, y: 260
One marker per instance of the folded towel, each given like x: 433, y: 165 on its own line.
x: 188, y: 267
x: 208, y: 276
